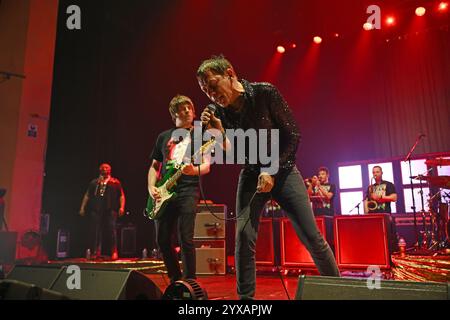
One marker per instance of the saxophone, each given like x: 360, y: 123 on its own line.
x: 371, y: 204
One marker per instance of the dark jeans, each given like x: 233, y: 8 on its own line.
x: 104, y: 223
x: 179, y: 216
x: 290, y: 192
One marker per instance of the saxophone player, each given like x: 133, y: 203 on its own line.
x: 379, y: 194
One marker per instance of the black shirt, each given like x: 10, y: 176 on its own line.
x: 265, y: 108
x: 169, y: 149
x: 384, y: 188
x: 104, y: 197
x: 324, y: 206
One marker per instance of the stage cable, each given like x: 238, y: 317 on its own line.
x: 278, y: 267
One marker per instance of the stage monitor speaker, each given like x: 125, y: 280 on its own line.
x: 8, y: 241
x: 101, y: 284
x: 17, y: 290
x: 333, y: 288
x: 41, y: 276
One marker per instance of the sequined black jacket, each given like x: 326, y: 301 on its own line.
x: 265, y: 108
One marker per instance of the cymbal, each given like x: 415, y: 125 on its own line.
x: 436, y: 181
x: 438, y: 162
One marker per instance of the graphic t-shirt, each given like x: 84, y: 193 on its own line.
x: 175, y: 151
x: 322, y: 206
x: 384, y: 188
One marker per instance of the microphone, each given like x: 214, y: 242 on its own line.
x: 422, y: 135
x: 212, y: 108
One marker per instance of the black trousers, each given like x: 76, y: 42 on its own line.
x: 290, y: 192
x: 103, y: 228
x: 178, y: 217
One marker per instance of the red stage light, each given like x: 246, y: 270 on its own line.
x: 443, y: 6
x: 293, y: 46
x: 317, y: 39
x: 420, y: 11
x: 281, y: 49
x: 336, y: 35
x: 390, y: 20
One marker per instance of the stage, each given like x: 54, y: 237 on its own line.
x: 272, y: 282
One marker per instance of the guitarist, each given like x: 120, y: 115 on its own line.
x: 179, y: 214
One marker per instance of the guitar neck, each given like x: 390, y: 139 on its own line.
x: 173, y: 179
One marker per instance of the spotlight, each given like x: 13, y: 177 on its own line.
x: 420, y: 11
x: 390, y: 21
x: 317, y: 39
x: 443, y: 6
x: 281, y: 49
x: 293, y: 45
x: 367, y: 26
x: 336, y: 35
x: 187, y: 289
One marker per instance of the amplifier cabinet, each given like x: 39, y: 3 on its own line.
x: 362, y: 241
x: 293, y: 252
x: 264, y: 244
x: 210, y: 238
x: 210, y: 256
x: 209, y: 226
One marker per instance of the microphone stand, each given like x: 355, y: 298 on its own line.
x: 357, y: 206
x: 408, y: 158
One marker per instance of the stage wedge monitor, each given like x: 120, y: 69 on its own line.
x: 334, y: 288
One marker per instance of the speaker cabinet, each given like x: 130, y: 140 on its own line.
x: 333, y: 288
x: 96, y: 284
x: 210, y: 257
x: 17, y: 290
x: 208, y: 226
x: 110, y: 285
x: 128, y: 241
x: 265, y: 255
x: 362, y: 241
x: 41, y: 276
x: 293, y: 252
x: 8, y: 241
x: 210, y: 239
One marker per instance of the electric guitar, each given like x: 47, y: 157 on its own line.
x: 155, y: 208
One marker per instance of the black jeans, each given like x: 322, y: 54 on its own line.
x: 104, y: 222
x: 179, y: 216
x: 291, y: 194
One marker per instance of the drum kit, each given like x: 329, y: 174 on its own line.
x: 435, y: 236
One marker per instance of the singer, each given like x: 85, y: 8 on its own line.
x: 180, y: 212
x: 246, y: 105
x: 104, y: 201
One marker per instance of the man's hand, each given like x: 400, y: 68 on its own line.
x: 121, y: 212
x: 375, y: 196
x: 190, y: 170
x: 82, y: 212
x: 265, y: 182
x: 154, y: 193
x: 213, y: 122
